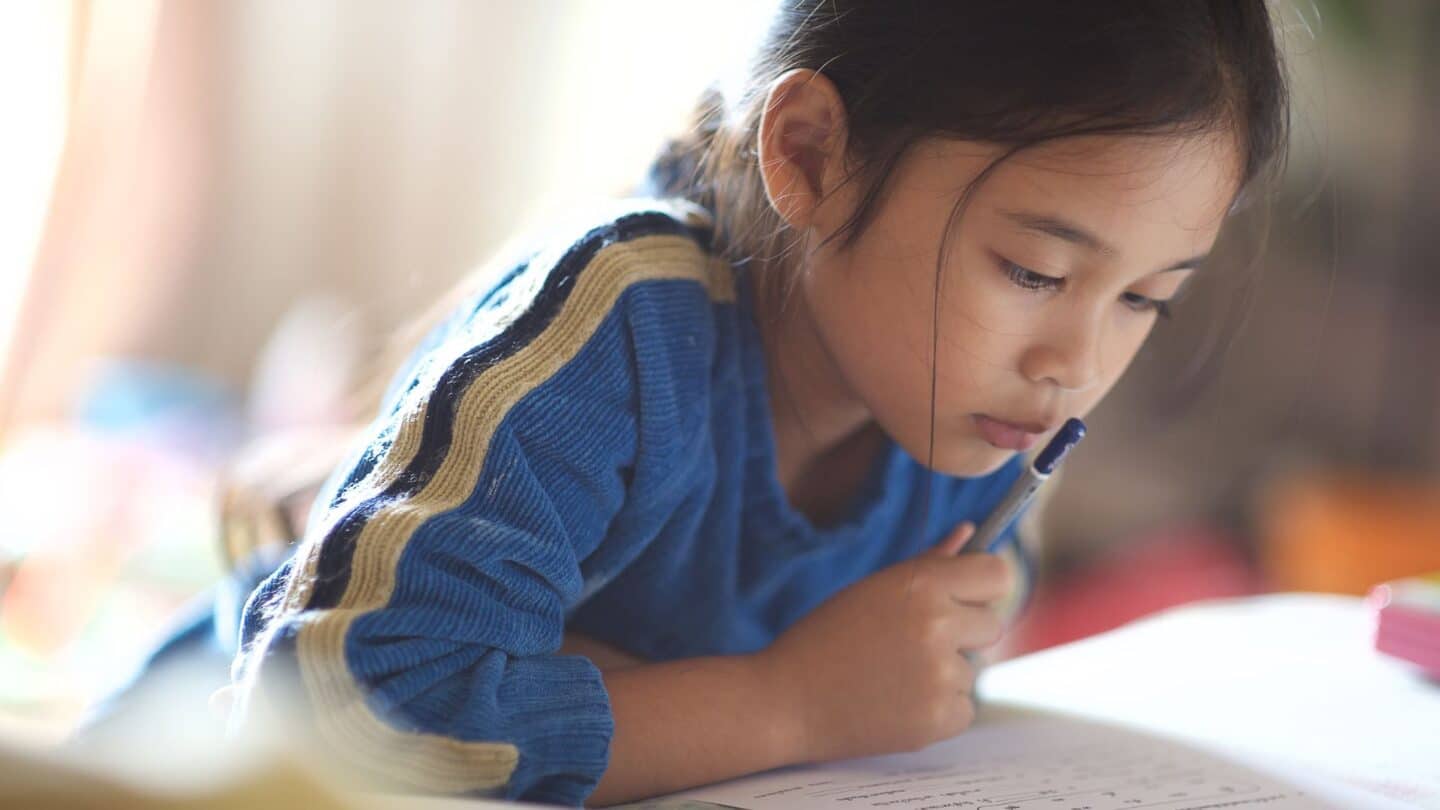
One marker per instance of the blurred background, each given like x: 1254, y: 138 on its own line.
x: 218, y: 213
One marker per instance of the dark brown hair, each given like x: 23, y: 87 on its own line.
x: 1011, y: 72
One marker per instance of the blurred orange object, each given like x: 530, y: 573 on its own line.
x: 1344, y: 533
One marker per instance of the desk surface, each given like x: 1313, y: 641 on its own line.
x: 1287, y: 679
x: 1290, y: 678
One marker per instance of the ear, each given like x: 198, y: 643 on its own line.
x: 801, y: 145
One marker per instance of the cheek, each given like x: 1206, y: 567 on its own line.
x: 984, y: 330
x: 903, y: 371
x: 877, y: 328
x: 882, y: 302
x: 1122, y: 343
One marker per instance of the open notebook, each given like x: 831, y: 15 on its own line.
x: 1015, y: 759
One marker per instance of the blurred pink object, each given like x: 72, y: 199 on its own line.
x: 1407, y: 620
x: 1159, y: 571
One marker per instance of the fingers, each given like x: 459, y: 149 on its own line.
x: 976, y: 627
x: 965, y: 711
x: 971, y: 577
x: 955, y: 541
x: 977, y: 578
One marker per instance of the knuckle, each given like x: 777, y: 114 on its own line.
x: 992, y: 624
x: 995, y: 576
x: 996, y: 568
x: 917, y: 589
x: 983, y: 575
x: 920, y: 572
x: 965, y: 713
x: 965, y: 674
x: 937, y: 678
x: 937, y: 601
x: 933, y: 629
x: 936, y: 719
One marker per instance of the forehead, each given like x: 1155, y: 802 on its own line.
x: 1131, y: 190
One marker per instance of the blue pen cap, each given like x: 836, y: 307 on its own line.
x: 1066, y: 437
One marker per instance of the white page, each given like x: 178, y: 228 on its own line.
x: 1025, y: 760
x: 1284, y: 678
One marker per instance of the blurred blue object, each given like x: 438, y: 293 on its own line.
x: 168, y: 405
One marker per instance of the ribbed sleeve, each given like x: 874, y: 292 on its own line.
x: 423, y: 612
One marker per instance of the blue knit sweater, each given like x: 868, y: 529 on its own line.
x: 585, y: 445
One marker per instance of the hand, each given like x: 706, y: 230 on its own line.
x: 880, y: 667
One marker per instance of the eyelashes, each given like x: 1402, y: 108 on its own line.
x: 1027, y: 279
x: 1140, y: 303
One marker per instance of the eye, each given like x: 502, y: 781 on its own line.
x: 1029, y: 279
x: 1141, y: 303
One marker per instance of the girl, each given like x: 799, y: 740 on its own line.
x: 678, y: 497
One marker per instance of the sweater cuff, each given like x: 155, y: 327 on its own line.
x: 559, y: 718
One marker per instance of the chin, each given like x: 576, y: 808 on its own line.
x: 968, y: 459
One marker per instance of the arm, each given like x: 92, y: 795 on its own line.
x: 424, y: 613
x: 684, y: 723
x: 808, y: 696
x: 424, y: 626
x: 691, y: 722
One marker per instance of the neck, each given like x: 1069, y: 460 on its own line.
x: 816, y: 415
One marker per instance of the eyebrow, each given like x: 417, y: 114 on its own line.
x: 1077, y: 235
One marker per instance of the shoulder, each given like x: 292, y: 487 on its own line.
x: 606, y: 250
x: 649, y: 262
x: 607, y: 272
x: 635, y: 280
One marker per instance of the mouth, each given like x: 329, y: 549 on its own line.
x: 1019, y: 436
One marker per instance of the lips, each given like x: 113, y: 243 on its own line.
x: 1019, y: 436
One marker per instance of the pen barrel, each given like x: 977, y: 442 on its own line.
x: 1010, y: 507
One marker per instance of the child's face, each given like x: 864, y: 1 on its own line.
x: 1046, y: 292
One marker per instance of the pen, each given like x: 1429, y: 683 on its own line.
x: 987, y: 537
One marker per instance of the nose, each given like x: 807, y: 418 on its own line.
x: 1068, y: 357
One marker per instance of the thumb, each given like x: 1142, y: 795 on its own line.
x: 955, y: 541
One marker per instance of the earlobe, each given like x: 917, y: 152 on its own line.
x: 801, y: 134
